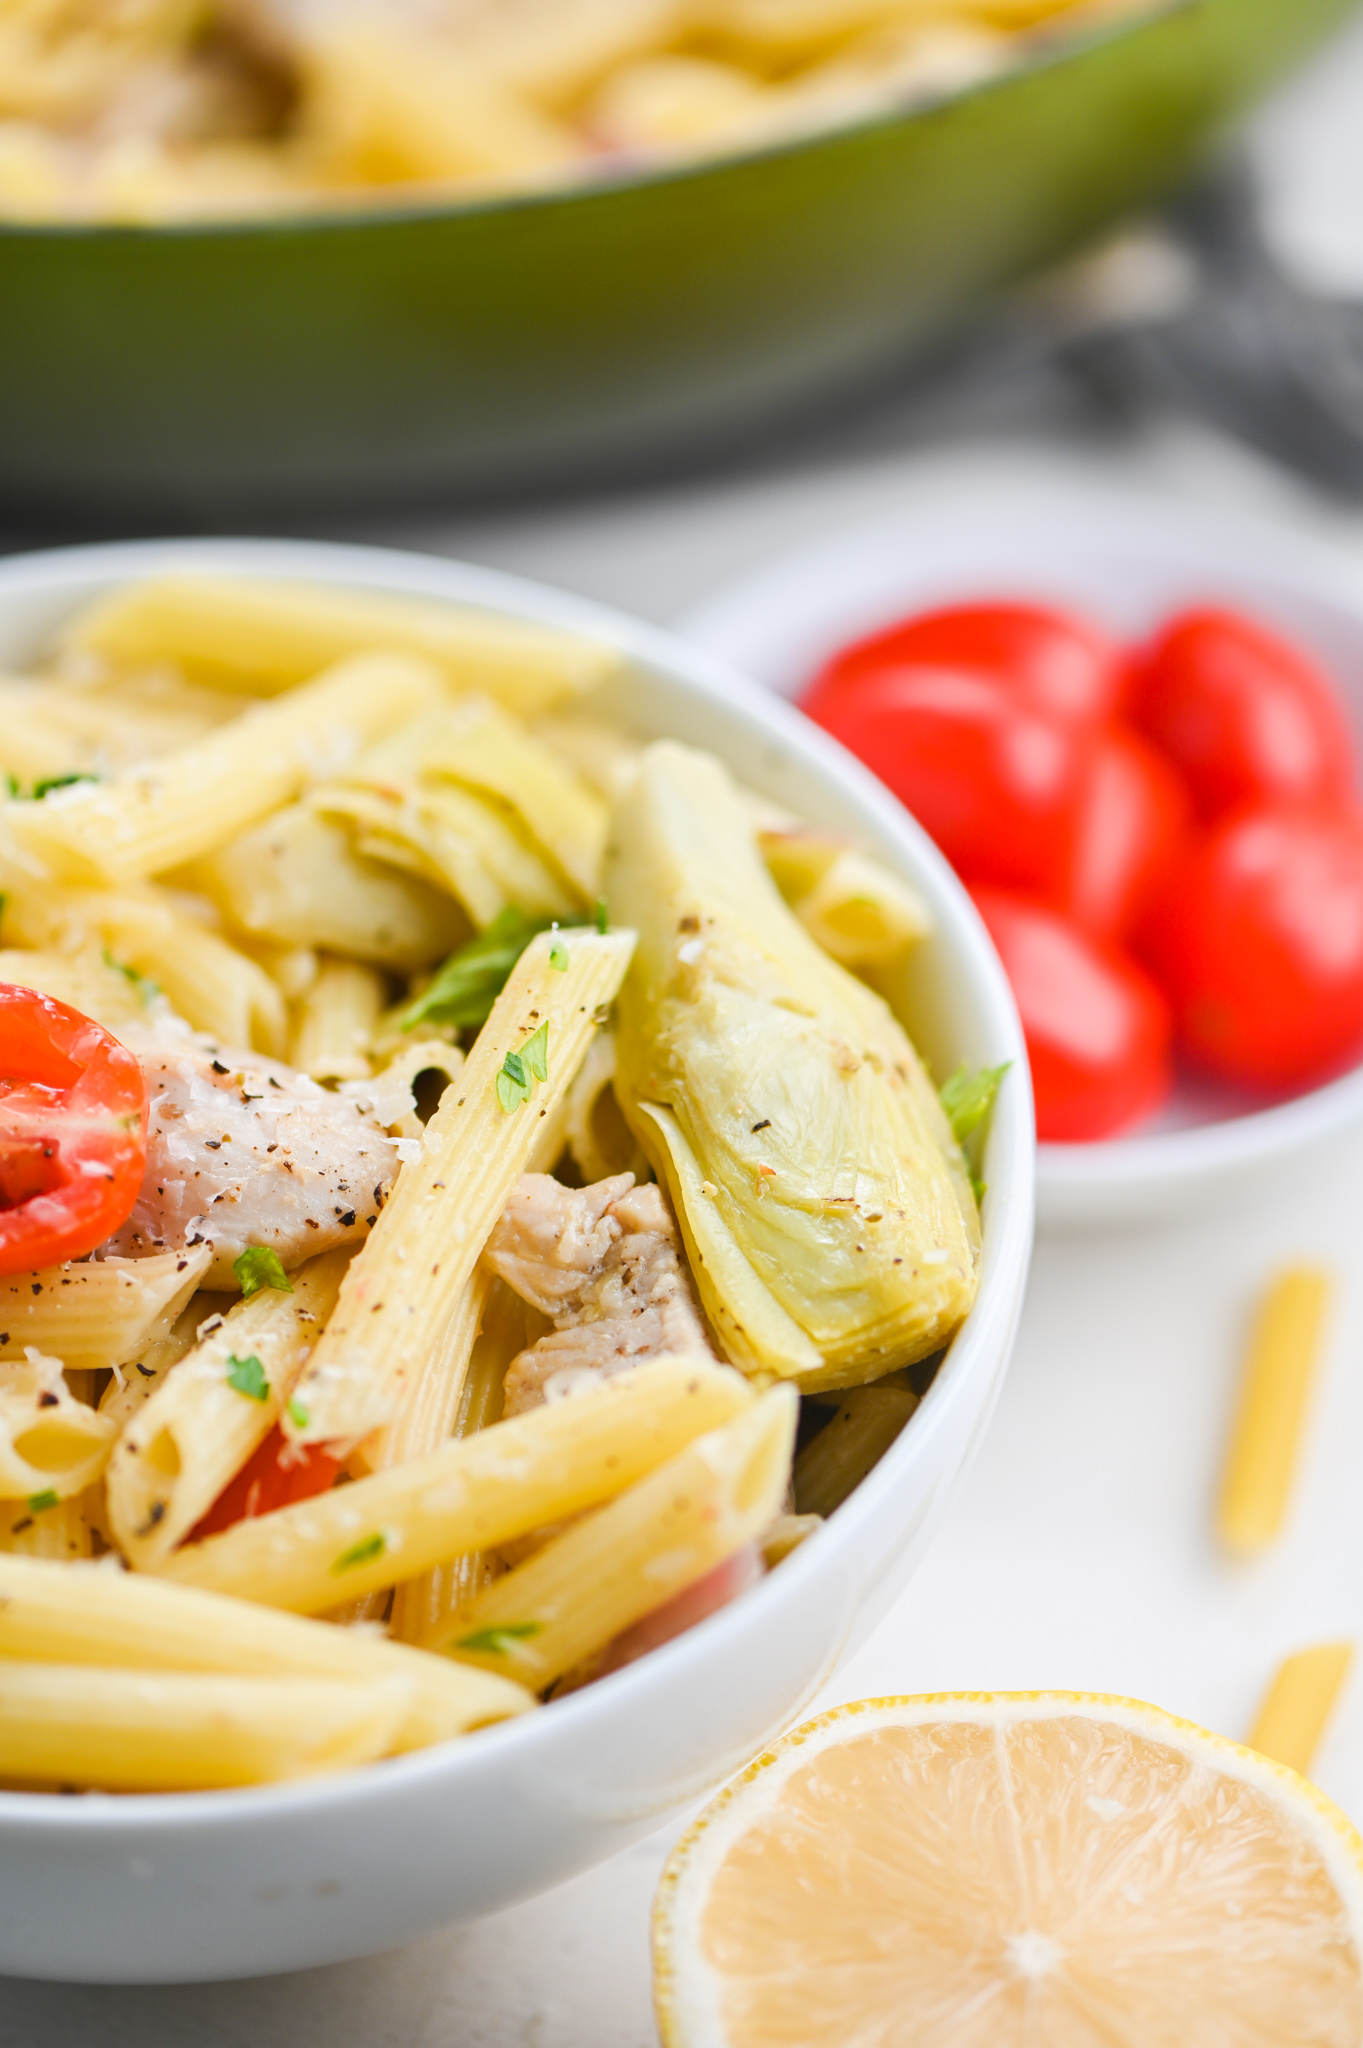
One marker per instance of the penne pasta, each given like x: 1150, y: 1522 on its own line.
x: 856, y: 910
x: 83, y: 978
x: 113, y: 1619
x: 264, y: 636
x: 59, y: 1530
x: 391, y: 1095
x: 97, y: 1312
x: 428, y: 1414
x: 183, y: 804
x: 130, y: 1731
x: 297, y: 880
x: 474, y: 1494
x: 141, y: 1376
x: 404, y: 1284
x: 585, y: 1587
x: 334, y: 1022
x: 204, y: 1420
x: 51, y: 1445
x: 857, y: 1437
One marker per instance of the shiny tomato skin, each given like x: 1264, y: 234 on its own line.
x: 276, y: 1473
x: 1056, y: 663
x: 1260, y: 943
x: 73, y: 1131
x: 1132, y: 823
x: 1244, y: 716
x: 1098, y: 1030
x: 995, y: 784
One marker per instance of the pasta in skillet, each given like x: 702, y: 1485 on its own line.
x: 415, y: 1352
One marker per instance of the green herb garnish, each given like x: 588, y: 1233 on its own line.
x: 143, y: 983
x: 259, y: 1267
x: 968, y: 1097
x: 473, y: 977
x: 535, y: 1053
x: 298, y: 1415
x: 247, y: 1376
x: 602, y: 918
x: 11, y: 785
x: 363, y: 1552
x: 49, y: 782
x: 39, y: 1503
x: 499, y: 1637
x: 558, y: 956
x: 513, y: 1086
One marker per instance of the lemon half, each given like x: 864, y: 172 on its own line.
x: 1012, y: 1870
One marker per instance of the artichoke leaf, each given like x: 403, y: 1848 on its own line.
x: 824, y: 1162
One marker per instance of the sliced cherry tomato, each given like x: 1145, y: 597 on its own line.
x: 995, y: 783
x: 1260, y: 943
x: 277, y: 1473
x: 1098, y: 1030
x: 1243, y: 715
x: 1132, y: 822
x: 1056, y: 663
x: 73, y: 1131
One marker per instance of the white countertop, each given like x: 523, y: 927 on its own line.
x: 1078, y: 1554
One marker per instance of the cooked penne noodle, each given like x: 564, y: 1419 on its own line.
x: 211, y: 1411
x: 264, y: 636
x: 59, y: 1530
x: 297, y: 880
x: 50, y: 1615
x: 595, y: 1132
x: 858, y: 1436
x: 404, y: 1284
x: 51, y: 1445
x: 856, y: 910
x: 473, y: 1494
x: 1261, y: 1460
x: 334, y: 1022
x: 390, y: 1094
x: 431, y: 1408
x: 141, y: 1376
x: 97, y: 1312
x: 128, y: 1731
x: 48, y: 729
x: 573, y: 1597
x: 420, y: 1604
x: 183, y: 804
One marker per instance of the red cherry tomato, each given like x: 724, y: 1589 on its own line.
x: 1054, y: 662
x: 1097, y: 1029
x: 73, y: 1131
x: 1260, y: 943
x: 1133, y: 820
x: 1245, y: 717
x: 277, y: 1473
x: 994, y: 783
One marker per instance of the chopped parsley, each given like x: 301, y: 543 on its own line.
x: 49, y: 782
x: 602, y: 916
x: 558, y: 956
x: 517, y: 1069
x: 298, y: 1415
x: 39, y: 1503
x: 143, y: 983
x: 473, y: 977
x: 11, y: 785
x: 499, y: 1637
x: 363, y: 1552
x: 968, y: 1097
x: 247, y: 1376
x: 259, y: 1267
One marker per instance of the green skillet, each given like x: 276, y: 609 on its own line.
x: 410, y: 355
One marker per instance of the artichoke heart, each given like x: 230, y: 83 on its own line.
x: 824, y: 1203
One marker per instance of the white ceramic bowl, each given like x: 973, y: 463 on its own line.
x: 243, y: 1883
x: 1052, y: 532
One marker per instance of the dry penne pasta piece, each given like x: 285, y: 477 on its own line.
x: 858, y: 1436
x: 47, y: 1527
x: 51, y: 1445
x: 297, y: 879
x: 263, y: 636
x: 1299, y: 1703
x: 97, y: 1312
x: 53, y: 1615
x: 183, y: 804
x: 403, y: 1286
x: 211, y: 1411
x: 420, y: 1604
x: 334, y: 1022
x: 588, y: 1585
x: 1262, y: 1456
x: 131, y: 1731
x: 470, y: 1495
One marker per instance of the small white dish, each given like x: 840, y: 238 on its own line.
x: 211, y: 1885
x: 1051, y: 532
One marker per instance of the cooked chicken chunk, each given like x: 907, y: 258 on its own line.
x: 604, y: 1263
x: 241, y: 1150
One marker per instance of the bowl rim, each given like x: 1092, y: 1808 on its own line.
x: 1220, y: 542
x: 1008, y: 1230
x: 1042, y: 47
